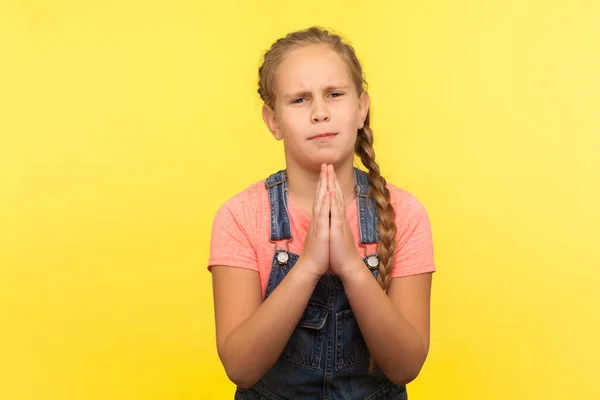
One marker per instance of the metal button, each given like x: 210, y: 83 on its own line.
x: 282, y: 257
x: 373, y: 262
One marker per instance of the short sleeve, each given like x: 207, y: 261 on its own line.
x: 232, y: 238
x: 414, y: 252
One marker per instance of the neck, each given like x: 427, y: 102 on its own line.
x: 302, y: 182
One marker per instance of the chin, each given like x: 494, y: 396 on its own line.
x: 335, y: 159
x: 325, y: 158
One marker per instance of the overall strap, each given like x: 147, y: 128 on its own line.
x: 368, y: 219
x: 280, y: 220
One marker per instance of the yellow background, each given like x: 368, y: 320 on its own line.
x: 124, y: 125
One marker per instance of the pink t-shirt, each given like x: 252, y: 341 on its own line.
x: 242, y: 228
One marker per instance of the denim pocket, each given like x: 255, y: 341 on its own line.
x: 306, y: 342
x: 351, y: 348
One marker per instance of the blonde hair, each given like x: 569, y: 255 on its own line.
x: 364, y: 140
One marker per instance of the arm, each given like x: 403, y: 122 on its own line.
x: 395, y: 326
x: 251, y: 335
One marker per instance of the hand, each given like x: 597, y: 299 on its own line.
x: 344, y: 258
x: 315, y: 256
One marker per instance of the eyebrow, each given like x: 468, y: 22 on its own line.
x: 302, y: 93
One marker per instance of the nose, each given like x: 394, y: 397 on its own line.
x: 319, y: 113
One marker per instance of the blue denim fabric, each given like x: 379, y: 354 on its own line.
x: 326, y: 356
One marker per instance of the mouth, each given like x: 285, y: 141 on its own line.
x: 321, y: 137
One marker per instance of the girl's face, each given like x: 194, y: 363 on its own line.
x: 317, y: 108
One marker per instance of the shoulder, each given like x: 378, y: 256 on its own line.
x: 234, y: 232
x: 237, y: 222
x: 414, y: 253
x: 406, y: 205
x: 247, y: 200
x: 412, y: 220
x: 242, y: 210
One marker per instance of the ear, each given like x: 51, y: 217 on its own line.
x: 364, y: 102
x: 270, y: 119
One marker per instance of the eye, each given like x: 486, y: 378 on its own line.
x: 336, y: 94
x: 298, y: 101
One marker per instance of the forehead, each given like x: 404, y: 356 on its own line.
x: 311, y: 66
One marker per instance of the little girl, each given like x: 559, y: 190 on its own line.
x: 321, y: 272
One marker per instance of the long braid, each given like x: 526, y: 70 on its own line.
x: 387, y: 226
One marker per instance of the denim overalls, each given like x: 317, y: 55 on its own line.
x: 326, y: 356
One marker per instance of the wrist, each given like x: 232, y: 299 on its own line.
x: 357, y: 274
x: 305, y: 272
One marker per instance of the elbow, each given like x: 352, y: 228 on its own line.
x: 403, y: 378
x: 404, y: 375
x: 237, y: 371
x: 242, y: 379
x: 242, y: 383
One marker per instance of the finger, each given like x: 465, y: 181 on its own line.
x: 336, y: 215
x: 341, y: 203
x: 318, y: 186
x: 331, y: 184
x: 319, y: 181
x: 340, y: 194
x: 320, y: 192
x: 323, y: 224
x: 330, y: 178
